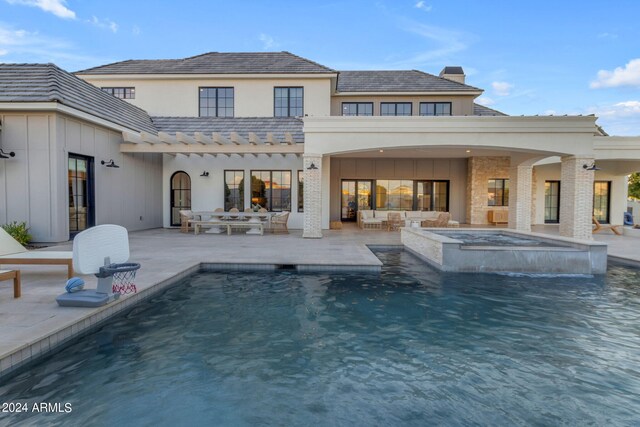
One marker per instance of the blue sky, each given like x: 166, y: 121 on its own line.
x: 542, y: 57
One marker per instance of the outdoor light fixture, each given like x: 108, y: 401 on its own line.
x: 4, y: 155
x: 109, y: 164
x: 312, y: 166
x: 204, y: 173
x: 593, y: 167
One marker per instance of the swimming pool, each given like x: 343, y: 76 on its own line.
x: 410, y: 346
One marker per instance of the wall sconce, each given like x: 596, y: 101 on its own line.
x: 109, y: 164
x: 205, y: 174
x: 312, y: 166
x: 593, y: 167
x: 4, y: 155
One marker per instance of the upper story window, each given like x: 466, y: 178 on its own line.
x: 288, y: 101
x: 357, y: 108
x: 435, y: 108
x: 216, y: 102
x: 121, y: 92
x: 395, y: 109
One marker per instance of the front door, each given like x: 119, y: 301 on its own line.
x: 180, y: 195
x: 601, y: 200
x: 356, y: 195
x: 81, y: 205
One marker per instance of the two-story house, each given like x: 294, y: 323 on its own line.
x: 224, y: 130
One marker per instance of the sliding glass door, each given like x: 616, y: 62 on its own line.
x: 355, y: 195
x: 552, y: 202
x: 601, y: 199
x: 432, y: 196
x: 80, y: 177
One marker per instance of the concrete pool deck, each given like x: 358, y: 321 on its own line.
x: 33, y: 325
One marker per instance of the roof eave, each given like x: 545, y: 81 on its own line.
x: 412, y: 93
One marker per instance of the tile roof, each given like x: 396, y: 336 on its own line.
x: 278, y: 126
x: 397, y: 81
x: 48, y: 83
x: 216, y: 63
x: 481, y: 110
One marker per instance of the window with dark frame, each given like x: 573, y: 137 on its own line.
x: 300, y: 191
x: 233, y: 189
x: 498, y: 192
x: 435, y: 108
x: 601, y: 200
x: 357, y: 108
x: 271, y: 190
x: 395, y: 109
x: 288, y: 102
x: 216, y: 102
x: 121, y: 92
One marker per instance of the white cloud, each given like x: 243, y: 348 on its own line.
x: 57, y: 7
x: 502, y: 88
x: 606, y: 35
x: 136, y: 31
x: 486, y: 101
x: 268, y: 42
x: 447, y: 43
x: 620, y: 118
x: 3, y: 52
x: 617, y: 110
x: 423, y: 6
x: 104, y: 23
x: 629, y: 75
x: 26, y: 46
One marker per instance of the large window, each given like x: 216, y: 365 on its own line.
x: 435, y: 108
x: 233, y: 190
x: 432, y: 196
x: 288, y: 101
x: 394, y: 194
x: 216, y: 102
x: 601, y: 200
x: 121, y: 92
x: 300, y: 191
x: 552, y: 202
x: 395, y: 109
x: 498, y: 193
x: 357, y: 108
x: 271, y: 190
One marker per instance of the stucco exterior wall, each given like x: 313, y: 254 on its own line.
x: 453, y: 170
x: 460, y: 105
x: 253, y: 97
x: 207, y: 193
x: 34, y: 184
x: 480, y: 171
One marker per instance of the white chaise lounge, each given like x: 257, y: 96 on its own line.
x: 12, y: 252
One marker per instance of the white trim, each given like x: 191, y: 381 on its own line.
x: 60, y: 108
x: 168, y: 76
x: 414, y: 93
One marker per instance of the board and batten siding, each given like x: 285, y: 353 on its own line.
x: 453, y: 170
x: 34, y: 183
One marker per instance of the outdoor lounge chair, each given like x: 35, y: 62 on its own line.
x: 600, y: 227
x: 279, y: 223
x: 394, y: 221
x: 12, y: 252
x: 440, y: 222
x: 185, y: 217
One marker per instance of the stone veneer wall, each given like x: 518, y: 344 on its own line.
x: 480, y: 171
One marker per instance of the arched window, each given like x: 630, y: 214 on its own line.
x: 180, y: 195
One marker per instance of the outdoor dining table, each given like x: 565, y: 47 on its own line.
x: 229, y: 216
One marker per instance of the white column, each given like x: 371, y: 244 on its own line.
x: 576, y: 197
x: 312, y: 196
x: 520, y: 197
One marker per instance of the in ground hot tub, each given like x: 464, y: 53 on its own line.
x: 474, y: 250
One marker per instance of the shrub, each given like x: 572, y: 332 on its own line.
x: 19, y: 231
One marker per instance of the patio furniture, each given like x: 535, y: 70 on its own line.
x: 368, y: 222
x: 279, y: 222
x: 394, y: 221
x: 599, y: 227
x: 9, y: 275
x: 185, y: 217
x: 12, y: 252
x: 440, y: 222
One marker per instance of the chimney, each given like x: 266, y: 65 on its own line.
x: 455, y: 73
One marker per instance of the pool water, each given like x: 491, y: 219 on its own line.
x: 410, y: 347
x: 495, y: 239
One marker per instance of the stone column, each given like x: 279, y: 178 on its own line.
x: 520, y: 197
x: 312, y: 196
x: 576, y: 197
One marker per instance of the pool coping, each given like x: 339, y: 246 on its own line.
x: 22, y: 356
